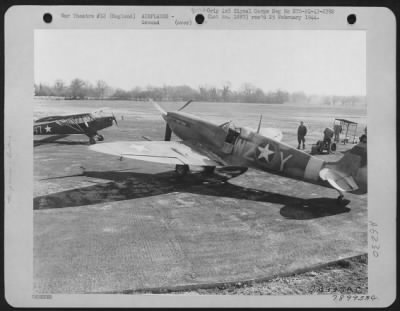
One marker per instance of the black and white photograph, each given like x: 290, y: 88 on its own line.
x: 212, y: 162
x: 195, y: 161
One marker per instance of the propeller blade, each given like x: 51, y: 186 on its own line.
x: 168, y: 133
x: 185, y: 105
x: 115, y: 119
x: 259, y: 124
x: 163, y: 112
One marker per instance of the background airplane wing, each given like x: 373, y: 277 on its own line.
x: 272, y: 133
x: 168, y: 152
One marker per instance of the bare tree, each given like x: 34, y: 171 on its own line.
x: 101, y: 87
x: 59, y: 88
x: 226, y: 91
x: 77, y: 89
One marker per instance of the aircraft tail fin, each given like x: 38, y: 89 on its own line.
x: 349, y: 174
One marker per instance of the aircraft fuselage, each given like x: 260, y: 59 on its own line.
x: 241, y: 147
x: 66, y: 127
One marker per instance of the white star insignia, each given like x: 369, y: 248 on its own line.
x: 139, y: 148
x: 265, y: 152
x: 47, y: 128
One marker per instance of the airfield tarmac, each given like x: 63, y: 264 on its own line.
x: 102, y: 225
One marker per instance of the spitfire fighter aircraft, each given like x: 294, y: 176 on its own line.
x: 85, y: 123
x: 208, y: 145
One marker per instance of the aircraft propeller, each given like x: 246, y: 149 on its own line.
x: 115, y: 119
x: 188, y: 102
x: 259, y: 124
x: 168, y: 133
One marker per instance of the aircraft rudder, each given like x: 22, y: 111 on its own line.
x: 353, y: 165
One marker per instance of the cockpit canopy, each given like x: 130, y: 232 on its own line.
x: 229, y: 125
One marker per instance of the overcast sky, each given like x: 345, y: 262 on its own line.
x: 316, y: 62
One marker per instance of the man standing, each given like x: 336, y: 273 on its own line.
x: 328, y: 134
x: 301, y: 133
x: 363, y: 137
x: 337, y: 129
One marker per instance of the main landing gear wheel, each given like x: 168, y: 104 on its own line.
x: 100, y: 137
x: 92, y: 141
x: 181, y: 170
x: 208, y: 169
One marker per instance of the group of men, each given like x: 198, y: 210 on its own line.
x: 328, y: 135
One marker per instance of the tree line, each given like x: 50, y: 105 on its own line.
x: 248, y: 93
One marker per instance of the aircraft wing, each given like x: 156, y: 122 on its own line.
x: 272, y: 133
x: 167, y: 152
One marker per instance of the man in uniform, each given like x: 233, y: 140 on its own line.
x: 301, y: 133
x: 363, y: 137
x: 328, y: 134
x: 338, y: 129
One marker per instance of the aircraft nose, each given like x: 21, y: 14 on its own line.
x: 113, y: 118
x: 166, y: 116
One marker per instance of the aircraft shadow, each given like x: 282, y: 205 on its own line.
x: 130, y: 185
x: 39, y: 143
x: 55, y: 140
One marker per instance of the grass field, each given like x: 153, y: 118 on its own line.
x: 85, y: 230
x: 285, y: 117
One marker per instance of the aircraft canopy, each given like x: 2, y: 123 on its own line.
x: 230, y: 125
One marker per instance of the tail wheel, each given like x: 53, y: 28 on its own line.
x: 92, y: 141
x: 181, y: 170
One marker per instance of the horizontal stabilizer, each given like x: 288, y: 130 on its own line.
x: 338, y: 180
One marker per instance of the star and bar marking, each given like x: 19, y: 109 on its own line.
x: 265, y: 153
